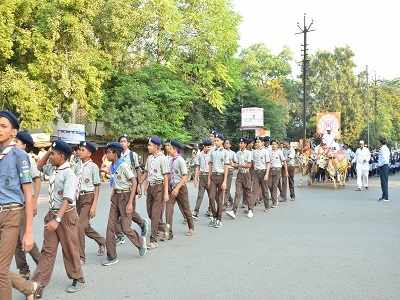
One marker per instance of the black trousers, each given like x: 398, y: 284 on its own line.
x: 384, y: 176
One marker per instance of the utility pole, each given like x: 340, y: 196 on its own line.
x: 375, y: 106
x: 367, y: 103
x: 304, y: 30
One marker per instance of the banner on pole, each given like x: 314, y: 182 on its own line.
x: 71, y: 133
x: 252, y: 117
x: 329, y: 120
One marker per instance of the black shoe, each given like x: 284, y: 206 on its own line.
x: 76, y: 286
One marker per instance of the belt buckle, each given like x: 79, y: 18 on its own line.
x: 1, y: 208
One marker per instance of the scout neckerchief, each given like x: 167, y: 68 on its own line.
x: 113, y: 168
x: 205, y: 157
x: 52, y: 178
x: 172, y: 171
x: 6, y: 150
x: 152, y: 169
x: 80, y: 174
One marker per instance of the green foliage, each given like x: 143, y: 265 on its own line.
x: 152, y: 101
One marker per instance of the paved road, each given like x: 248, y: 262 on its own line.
x: 326, y: 245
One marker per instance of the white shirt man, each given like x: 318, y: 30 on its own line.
x: 328, y: 138
x: 361, y: 159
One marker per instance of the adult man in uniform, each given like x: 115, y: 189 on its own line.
x: 228, y: 200
x: 217, y: 180
x: 24, y: 141
x: 89, y: 189
x: 290, y: 156
x: 15, y: 193
x: 61, y: 222
x: 383, y: 168
x: 261, y: 164
x: 123, y: 183
x: 201, y: 175
x: 156, y: 173
x: 361, y: 159
x: 178, y: 190
x: 243, y: 180
x: 277, y: 162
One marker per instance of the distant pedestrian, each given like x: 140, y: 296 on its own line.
x: 383, y: 165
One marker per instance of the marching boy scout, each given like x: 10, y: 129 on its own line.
x: 15, y: 194
x: 123, y: 183
x: 277, y: 162
x: 232, y: 157
x: 178, y: 190
x: 243, y: 180
x: 89, y: 188
x: 261, y: 165
x: 201, y: 175
x: 156, y: 173
x: 24, y: 142
x: 132, y: 159
x: 217, y: 180
x: 61, y: 222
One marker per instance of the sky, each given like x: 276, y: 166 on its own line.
x: 370, y: 28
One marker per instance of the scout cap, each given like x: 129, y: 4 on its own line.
x: 115, y: 146
x: 62, y: 147
x: 258, y: 138
x: 11, y: 117
x: 155, y: 140
x: 207, y: 142
x: 176, y: 144
x: 92, y: 147
x: 25, y: 137
x: 219, y: 136
x: 267, y: 139
x: 243, y: 140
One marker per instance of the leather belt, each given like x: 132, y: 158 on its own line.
x: 85, y: 192
x: 156, y: 183
x: 11, y: 207
x: 70, y: 208
x: 217, y: 174
x: 243, y: 171
x: 204, y: 173
x: 122, y: 191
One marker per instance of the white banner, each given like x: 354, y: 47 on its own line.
x: 252, y: 117
x: 71, y: 133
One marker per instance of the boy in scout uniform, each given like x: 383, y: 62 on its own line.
x: 89, y: 188
x: 201, y: 175
x: 217, y: 180
x: 16, y: 201
x: 132, y: 159
x: 156, y: 173
x: 277, y: 162
x: 178, y: 189
x: 243, y: 180
x: 123, y: 183
x: 61, y: 222
x: 261, y: 165
x: 232, y: 157
x: 25, y: 142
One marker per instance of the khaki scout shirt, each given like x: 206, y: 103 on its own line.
x: 243, y: 157
x: 122, y: 178
x: 261, y: 158
x: 34, y: 169
x: 202, y: 160
x: 178, y: 169
x: 63, y: 183
x: 277, y: 158
x: 219, y: 158
x: 232, y: 158
x: 89, y: 176
x: 156, y: 167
